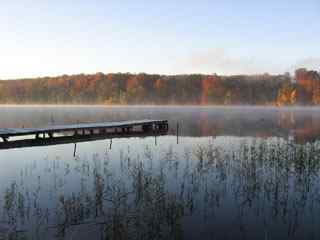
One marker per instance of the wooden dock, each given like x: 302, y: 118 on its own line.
x: 19, y: 137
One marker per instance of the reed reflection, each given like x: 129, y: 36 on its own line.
x: 260, y: 189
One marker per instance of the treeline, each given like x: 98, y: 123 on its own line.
x: 126, y: 88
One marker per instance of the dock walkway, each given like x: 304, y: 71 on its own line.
x: 107, y: 129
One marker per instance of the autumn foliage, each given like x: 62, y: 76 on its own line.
x: 199, y: 89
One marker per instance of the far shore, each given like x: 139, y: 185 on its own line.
x: 161, y: 106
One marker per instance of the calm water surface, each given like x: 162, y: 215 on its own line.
x: 236, y: 172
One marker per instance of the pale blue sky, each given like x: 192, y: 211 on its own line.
x: 40, y: 37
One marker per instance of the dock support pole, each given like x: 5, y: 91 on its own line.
x: 74, y: 150
x: 177, y: 132
x: 103, y: 131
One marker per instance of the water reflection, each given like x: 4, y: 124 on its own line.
x: 301, y: 124
x: 255, y: 189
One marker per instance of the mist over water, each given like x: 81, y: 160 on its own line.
x: 301, y: 123
x: 237, y: 172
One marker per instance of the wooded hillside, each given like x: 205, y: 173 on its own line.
x: 126, y: 88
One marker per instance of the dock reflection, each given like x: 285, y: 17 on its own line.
x: 34, y: 142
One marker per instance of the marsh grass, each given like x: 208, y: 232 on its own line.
x: 140, y: 195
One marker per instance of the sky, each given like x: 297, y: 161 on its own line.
x: 49, y: 38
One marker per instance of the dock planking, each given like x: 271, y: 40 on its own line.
x: 107, y: 129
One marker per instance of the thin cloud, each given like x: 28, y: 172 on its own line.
x: 220, y: 61
x: 309, y: 63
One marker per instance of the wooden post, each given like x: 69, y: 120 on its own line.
x: 110, y: 144
x: 177, y: 132
x: 103, y: 131
x: 75, y: 149
x: 52, y: 120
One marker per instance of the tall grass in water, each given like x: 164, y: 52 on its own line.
x: 267, y: 184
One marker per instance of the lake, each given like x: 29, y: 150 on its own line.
x: 232, y: 172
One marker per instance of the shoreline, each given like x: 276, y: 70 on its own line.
x: 300, y: 107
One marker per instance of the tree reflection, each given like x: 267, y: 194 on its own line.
x: 302, y: 124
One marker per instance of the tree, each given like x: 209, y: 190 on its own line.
x: 287, y: 95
